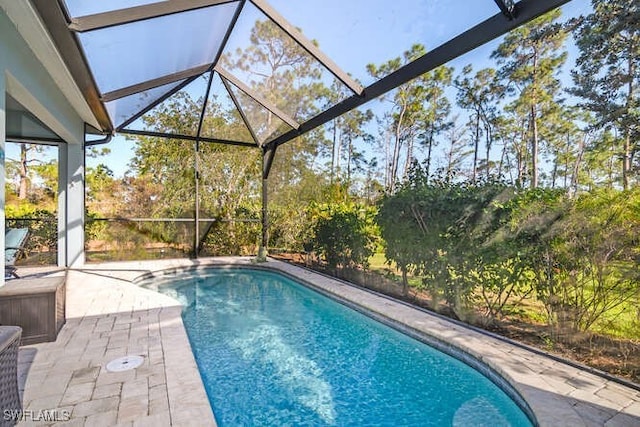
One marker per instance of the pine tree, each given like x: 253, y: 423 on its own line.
x: 607, y: 76
x: 530, y: 57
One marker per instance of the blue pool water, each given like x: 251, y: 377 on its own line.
x: 273, y: 352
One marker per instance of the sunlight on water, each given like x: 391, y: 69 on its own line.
x: 299, y: 375
x: 177, y: 295
x: 479, y: 412
x: 272, y: 352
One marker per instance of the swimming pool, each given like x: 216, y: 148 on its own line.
x: 273, y: 352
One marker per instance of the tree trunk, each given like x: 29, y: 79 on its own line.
x: 333, y: 150
x: 576, y: 167
x: 566, y: 162
x: 626, y: 161
x: 405, y: 281
x: 23, y: 171
x: 534, y: 147
x: 534, y: 124
x: 489, y: 140
x: 396, y: 151
x: 450, y: 156
x: 429, y: 154
x: 387, y: 161
x: 503, y: 159
x: 349, y: 156
x: 408, y: 161
x: 521, y: 157
x: 476, y: 149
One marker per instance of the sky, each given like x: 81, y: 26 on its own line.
x: 355, y: 33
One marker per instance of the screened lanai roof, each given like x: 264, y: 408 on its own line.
x: 253, y: 73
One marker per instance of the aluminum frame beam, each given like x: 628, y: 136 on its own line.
x: 188, y: 138
x: 226, y: 75
x: 150, y: 84
x: 155, y: 103
x: 139, y: 13
x: 309, y: 46
x: 269, y: 155
x: 497, y: 25
x: 240, y: 111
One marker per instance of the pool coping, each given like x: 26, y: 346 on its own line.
x: 557, y: 393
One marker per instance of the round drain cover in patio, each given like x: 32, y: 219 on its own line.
x: 124, y: 363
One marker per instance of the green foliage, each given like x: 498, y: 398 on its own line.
x: 534, y: 218
x: 236, y: 233
x: 485, y: 247
x: 94, y: 230
x: 97, y: 181
x: 344, y: 234
x: 435, y: 229
x: 583, y: 252
x: 599, y: 246
x: 288, y: 227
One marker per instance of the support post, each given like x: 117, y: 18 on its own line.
x: 196, y: 178
x: 74, y: 225
x: 267, y: 161
x: 62, y: 205
x: 196, y: 166
x: 262, y: 250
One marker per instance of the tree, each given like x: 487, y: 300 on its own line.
x: 344, y: 234
x: 438, y: 230
x: 567, y: 146
x: 281, y: 72
x: 401, y: 123
x: 601, y: 164
x: 600, y: 236
x: 607, y: 76
x: 352, y: 130
x: 435, y: 114
x: 455, y: 153
x: 530, y: 57
x: 168, y: 163
x: 22, y: 167
x: 274, y: 66
x: 479, y: 94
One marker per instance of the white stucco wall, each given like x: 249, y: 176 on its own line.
x: 28, y: 81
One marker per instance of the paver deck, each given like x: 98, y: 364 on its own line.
x: 109, y: 316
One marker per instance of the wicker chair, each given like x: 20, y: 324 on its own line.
x: 10, y: 403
